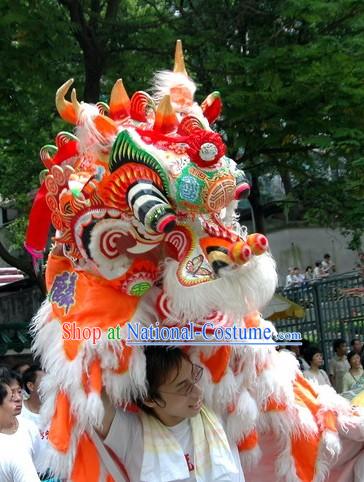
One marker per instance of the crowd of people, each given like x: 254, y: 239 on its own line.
x: 322, y: 269
x: 23, y: 439
x: 345, y: 370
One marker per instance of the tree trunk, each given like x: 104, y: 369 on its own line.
x: 93, y: 72
x: 286, y: 179
x: 257, y: 206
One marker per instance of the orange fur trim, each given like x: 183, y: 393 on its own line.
x: 249, y: 441
x: 252, y: 320
x: 272, y: 405
x: 217, y: 363
x: 124, y: 359
x: 330, y: 419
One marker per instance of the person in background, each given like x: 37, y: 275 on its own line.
x: 31, y: 408
x: 315, y: 359
x: 297, y: 277
x: 289, y: 279
x: 295, y: 350
x: 21, y: 367
x: 356, y: 345
x: 352, y: 376
x: 317, y: 271
x: 359, y: 265
x: 301, y: 357
x: 328, y: 267
x: 16, y: 464
x: 339, y: 364
x: 15, y: 382
x: 308, y: 274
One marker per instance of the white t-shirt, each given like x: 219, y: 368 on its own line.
x: 337, y: 368
x: 125, y: 438
x: 16, y: 454
x: 41, y: 443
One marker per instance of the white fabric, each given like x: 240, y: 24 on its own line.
x: 106, y: 458
x: 17, y: 452
x: 125, y: 438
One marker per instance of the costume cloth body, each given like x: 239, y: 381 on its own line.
x: 142, y: 197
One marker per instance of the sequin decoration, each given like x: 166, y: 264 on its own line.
x: 63, y: 290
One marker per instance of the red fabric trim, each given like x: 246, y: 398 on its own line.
x: 118, y: 463
x: 39, y: 222
x: 40, y: 214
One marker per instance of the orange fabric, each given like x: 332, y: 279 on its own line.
x: 86, y: 466
x: 304, y: 397
x: 70, y: 348
x: 124, y: 359
x: 92, y: 381
x: 252, y: 320
x: 305, y: 383
x: 305, y: 450
x: 217, y: 363
x: 61, y: 424
x: 95, y: 376
x: 208, y: 241
x: 85, y: 383
x: 330, y: 419
x: 109, y: 478
x: 248, y: 442
x: 273, y: 405
x: 96, y: 303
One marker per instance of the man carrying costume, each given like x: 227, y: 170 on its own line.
x: 143, y: 200
x: 174, y: 436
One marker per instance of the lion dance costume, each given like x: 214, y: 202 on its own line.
x: 142, y: 197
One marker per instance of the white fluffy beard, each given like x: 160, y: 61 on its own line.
x: 237, y: 293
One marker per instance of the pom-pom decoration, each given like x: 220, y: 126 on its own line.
x: 205, y: 148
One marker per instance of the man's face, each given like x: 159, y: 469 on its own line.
x: 343, y: 349
x: 17, y: 396
x: 8, y: 408
x: 357, y: 346
x: 181, y: 396
x: 34, y: 387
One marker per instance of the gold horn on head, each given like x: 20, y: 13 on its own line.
x: 165, y: 117
x: 65, y: 108
x: 179, y: 61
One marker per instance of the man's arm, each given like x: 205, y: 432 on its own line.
x: 108, y: 415
x: 24, y: 470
